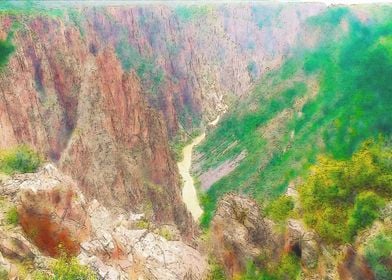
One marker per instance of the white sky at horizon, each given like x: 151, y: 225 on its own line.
x: 120, y: 2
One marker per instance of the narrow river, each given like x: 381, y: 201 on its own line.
x: 189, y: 194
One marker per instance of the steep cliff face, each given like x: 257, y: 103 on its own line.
x: 100, y: 91
x: 84, y: 112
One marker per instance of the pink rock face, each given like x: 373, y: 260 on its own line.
x: 65, y: 93
x: 52, y: 211
x: 54, y: 220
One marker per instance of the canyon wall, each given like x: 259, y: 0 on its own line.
x: 100, y: 91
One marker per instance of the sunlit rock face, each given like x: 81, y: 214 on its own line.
x: 101, y: 94
x: 239, y: 234
x: 51, y: 210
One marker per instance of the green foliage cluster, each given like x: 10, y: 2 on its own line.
x: 378, y: 254
x: 216, y: 271
x: 20, y: 159
x: 280, y: 209
x: 6, y: 49
x: 28, y: 8
x: 149, y: 73
x: 66, y: 269
x: 12, y: 216
x: 76, y: 18
x: 350, y: 75
x: 288, y: 268
x: 191, y: 13
x: 341, y: 197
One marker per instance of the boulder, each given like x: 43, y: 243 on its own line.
x: 51, y: 210
x: 117, y: 250
x: 303, y: 243
x: 240, y: 233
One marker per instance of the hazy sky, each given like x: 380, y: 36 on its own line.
x: 119, y: 2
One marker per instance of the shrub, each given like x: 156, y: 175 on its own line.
x: 6, y: 49
x: 340, y: 197
x: 66, y: 269
x: 378, y: 253
x: 20, y: 159
x: 288, y: 268
x: 216, y: 271
x: 280, y: 209
x: 12, y: 216
x: 366, y: 210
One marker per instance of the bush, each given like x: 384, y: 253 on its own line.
x: 20, y: 159
x: 66, y: 269
x: 366, y: 210
x: 216, y: 271
x: 280, y: 209
x: 12, y: 216
x: 378, y: 254
x: 6, y: 49
x: 288, y: 268
x: 341, y: 197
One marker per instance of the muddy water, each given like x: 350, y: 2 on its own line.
x: 189, y: 195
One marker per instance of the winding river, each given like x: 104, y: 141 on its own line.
x: 189, y: 194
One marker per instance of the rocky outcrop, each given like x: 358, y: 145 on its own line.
x: 239, y: 233
x: 51, y: 210
x: 54, y: 219
x: 301, y: 242
x: 354, y: 266
x: 119, y: 250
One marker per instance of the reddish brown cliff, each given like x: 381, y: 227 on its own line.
x: 100, y: 91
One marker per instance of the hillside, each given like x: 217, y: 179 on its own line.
x: 329, y: 97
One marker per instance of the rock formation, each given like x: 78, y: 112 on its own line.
x: 239, y: 233
x: 55, y: 218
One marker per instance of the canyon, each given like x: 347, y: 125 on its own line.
x: 179, y: 141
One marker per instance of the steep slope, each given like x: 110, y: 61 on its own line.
x: 101, y: 90
x: 327, y: 98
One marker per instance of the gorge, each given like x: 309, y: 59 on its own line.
x: 195, y: 141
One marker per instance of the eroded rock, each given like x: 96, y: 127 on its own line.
x: 239, y: 233
x: 303, y: 243
x: 51, y: 210
x: 119, y: 251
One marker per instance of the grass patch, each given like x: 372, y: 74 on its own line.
x: 12, y: 216
x: 20, y: 159
x: 66, y: 269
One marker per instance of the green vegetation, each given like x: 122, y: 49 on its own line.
x: 280, y: 209
x: 12, y: 216
x: 66, y: 269
x: 20, y: 159
x: 6, y: 49
x: 216, y: 271
x: 3, y: 274
x: 344, y: 85
x: 192, y: 12
x: 77, y: 19
x: 288, y: 268
x: 28, y: 8
x: 149, y: 73
x: 378, y: 254
x: 341, y: 197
